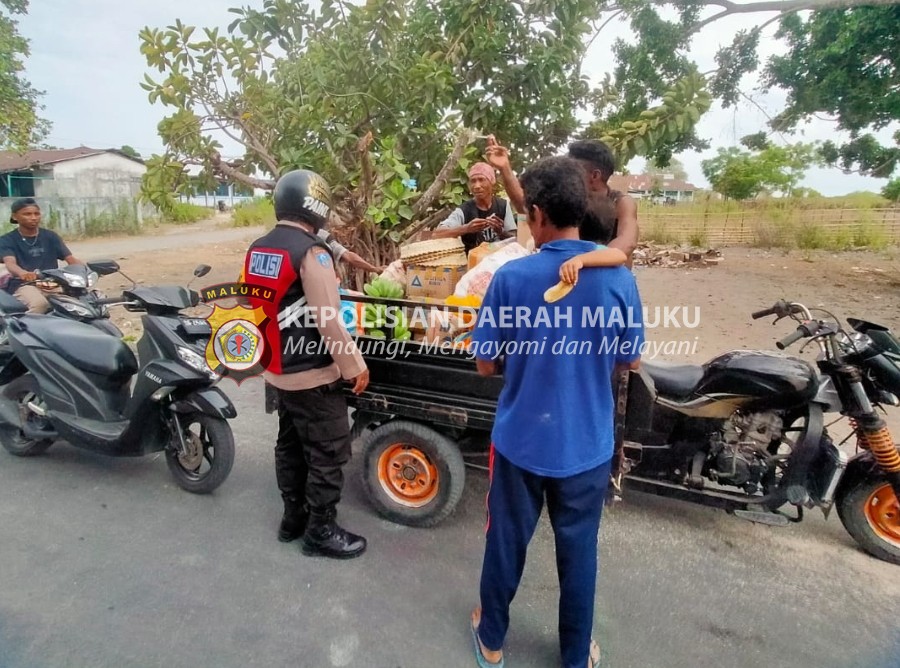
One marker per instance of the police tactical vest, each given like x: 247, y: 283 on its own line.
x: 293, y: 343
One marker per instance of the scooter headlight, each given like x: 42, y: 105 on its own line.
x: 195, y: 361
x: 76, y: 281
x: 75, y: 308
x: 92, y: 279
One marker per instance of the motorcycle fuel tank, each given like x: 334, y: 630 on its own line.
x: 767, y: 379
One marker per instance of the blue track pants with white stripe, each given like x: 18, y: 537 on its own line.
x: 514, y: 503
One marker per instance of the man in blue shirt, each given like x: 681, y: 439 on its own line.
x: 553, y: 435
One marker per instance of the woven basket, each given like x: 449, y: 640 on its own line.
x: 430, y: 250
x: 455, y: 260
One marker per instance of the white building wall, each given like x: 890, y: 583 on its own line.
x: 106, y: 175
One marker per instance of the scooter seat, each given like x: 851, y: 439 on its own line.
x: 674, y: 380
x: 85, y: 347
x: 10, y: 305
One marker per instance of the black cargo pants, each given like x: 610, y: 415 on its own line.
x: 313, y: 444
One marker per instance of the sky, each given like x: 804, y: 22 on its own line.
x: 85, y: 56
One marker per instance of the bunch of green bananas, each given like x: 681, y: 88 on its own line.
x: 374, y: 317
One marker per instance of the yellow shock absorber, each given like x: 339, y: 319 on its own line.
x: 881, y: 444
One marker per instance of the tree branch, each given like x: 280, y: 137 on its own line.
x: 429, y: 196
x: 257, y: 146
x: 612, y: 18
x: 428, y: 222
x: 233, y: 174
x: 367, y: 180
x: 781, y: 6
x: 764, y: 112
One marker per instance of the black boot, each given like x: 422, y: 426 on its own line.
x: 325, y: 538
x: 294, y: 520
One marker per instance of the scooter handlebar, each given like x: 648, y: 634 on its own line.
x: 762, y: 314
x: 790, y: 338
x: 806, y: 329
x: 780, y: 308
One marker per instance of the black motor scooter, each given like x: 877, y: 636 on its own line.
x: 75, y: 297
x: 64, y: 379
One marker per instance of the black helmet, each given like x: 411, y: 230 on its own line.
x: 304, y: 195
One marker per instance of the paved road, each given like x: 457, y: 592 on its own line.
x: 106, y: 563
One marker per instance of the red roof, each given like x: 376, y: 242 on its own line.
x: 11, y: 161
x: 644, y: 182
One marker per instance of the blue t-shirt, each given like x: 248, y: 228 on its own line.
x: 555, y: 415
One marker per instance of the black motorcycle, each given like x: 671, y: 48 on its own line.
x: 754, y: 421
x: 64, y: 379
x: 72, y: 294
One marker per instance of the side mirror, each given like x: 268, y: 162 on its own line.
x: 104, y: 267
x: 202, y: 270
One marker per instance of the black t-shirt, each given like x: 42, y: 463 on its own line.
x: 32, y: 253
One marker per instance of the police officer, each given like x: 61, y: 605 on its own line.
x: 310, y: 355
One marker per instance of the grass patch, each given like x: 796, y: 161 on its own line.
x: 122, y: 220
x: 660, y: 235
x: 705, y: 203
x: 93, y: 221
x: 183, y: 213
x: 770, y: 235
x: 872, y: 237
x: 260, y: 211
x: 698, y: 238
x: 811, y: 237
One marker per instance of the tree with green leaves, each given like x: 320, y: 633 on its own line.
x: 378, y: 96
x: 130, y: 151
x: 845, y: 64
x: 740, y: 174
x: 892, y: 190
x: 20, y: 123
x: 391, y: 93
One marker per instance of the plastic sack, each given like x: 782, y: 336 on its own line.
x: 476, y: 280
x: 351, y: 312
x: 395, y: 272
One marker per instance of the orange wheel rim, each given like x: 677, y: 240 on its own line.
x: 883, y: 514
x: 407, y: 475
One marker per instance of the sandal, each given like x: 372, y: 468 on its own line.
x: 594, y: 655
x: 479, y: 653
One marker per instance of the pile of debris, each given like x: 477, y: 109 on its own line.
x: 653, y: 255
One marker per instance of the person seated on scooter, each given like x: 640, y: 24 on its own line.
x: 28, y: 249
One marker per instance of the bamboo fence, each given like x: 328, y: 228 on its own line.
x: 797, y: 226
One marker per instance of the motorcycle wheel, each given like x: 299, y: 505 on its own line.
x: 21, y: 390
x: 210, y: 453
x: 870, y: 513
x: 413, y: 475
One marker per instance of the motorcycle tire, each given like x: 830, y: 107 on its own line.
x: 870, y: 513
x: 212, y: 454
x: 11, y: 436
